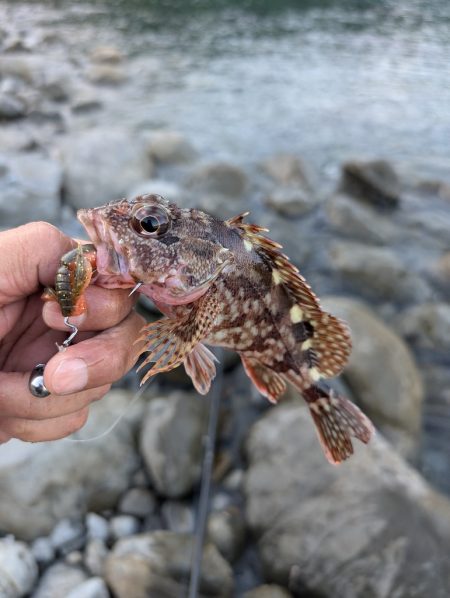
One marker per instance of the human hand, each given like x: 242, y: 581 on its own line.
x: 29, y: 329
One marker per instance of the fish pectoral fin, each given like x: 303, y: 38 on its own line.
x: 200, y: 367
x: 170, y: 341
x: 267, y: 381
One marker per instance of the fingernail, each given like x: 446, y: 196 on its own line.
x: 70, y: 376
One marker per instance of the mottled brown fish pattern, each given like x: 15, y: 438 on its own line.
x: 225, y: 283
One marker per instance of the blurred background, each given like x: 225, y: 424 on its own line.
x: 330, y: 121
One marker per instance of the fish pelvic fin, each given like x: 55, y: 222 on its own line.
x: 337, y: 420
x: 267, y: 381
x: 200, y: 367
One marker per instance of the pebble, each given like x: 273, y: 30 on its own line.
x: 226, y: 530
x: 91, y: 588
x: 286, y: 169
x: 12, y: 107
x: 97, y: 527
x: 94, y: 556
x: 170, y: 147
x: 43, y: 551
x: 139, y: 502
x: 58, y: 580
x: 178, y: 516
x: 67, y: 535
x: 220, y: 178
x: 268, y: 591
x: 374, y: 182
x: 123, y: 525
x: 18, y: 568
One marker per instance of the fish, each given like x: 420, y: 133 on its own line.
x: 226, y: 283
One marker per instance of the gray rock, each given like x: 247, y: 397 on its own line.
x: 122, y: 526
x: 97, y: 527
x: 442, y: 268
x: 286, y: 169
x: 139, y: 502
x: 12, y: 107
x: 382, y: 373
x: 226, y: 530
x: 168, y: 190
x: 91, y: 588
x: 94, y: 557
x: 30, y: 187
x: 178, y: 516
x: 67, y: 535
x: 58, y: 580
x: 291, y: 201
x: 371, y: 527
x: 268, y: 591
x: 102, y: 165
x: 54, y: 480
x: 43, y: 551
x: 374, y: 182
x: 85, y: 99
x: 107, y: 55
x: 159, y: 564
x: 377, y: 273
x: 427, y: 326
x: 353, y: 219
x: 170, y: 147
x: 18, y: 569
x: 106, y: 74
x: 171, y: 442
x: 218, y: 178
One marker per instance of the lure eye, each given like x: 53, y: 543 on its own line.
x: 150, y: 221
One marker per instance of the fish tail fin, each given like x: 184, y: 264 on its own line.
x: 337, y: 419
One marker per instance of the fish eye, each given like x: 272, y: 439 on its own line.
x: 150, y: 221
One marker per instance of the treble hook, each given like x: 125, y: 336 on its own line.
x: 36, y: 382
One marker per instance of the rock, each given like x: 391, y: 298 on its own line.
x: 138, y: 502
x: 226, y: 530
x: 43, y: 551
x: 286, y: 169
x: 106, y: 74
x: 122, y: 526
x: 355, y: 220
x: 58, y: 580
x: 12, y: 107
x: 159, y: 564
x: 18, y: 569
x: 107, y: 55
x: 374, y: 182
x: 94, y: 556
x: 102, y: 165
x: 54, y: 480
x: 97, y: 527
x: 268, y: 591
x: 381, y: 372
x: 443, y: 268
x: 427, y: 326
x: 170, y: 147
x: 377, y: 273
x: 178, y: 516
x: 67, y: 535
x: 91, y: 588
x: 370, y: 527
x: 171, y: 442
x: 291, y: 201
x: 218, y: 178
x: 30, y: 186
x: 168, y: 190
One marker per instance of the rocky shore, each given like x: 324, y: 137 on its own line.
x: 115, y: 516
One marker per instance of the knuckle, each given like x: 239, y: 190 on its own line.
x: 44, y: 230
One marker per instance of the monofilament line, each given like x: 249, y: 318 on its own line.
x: 205, y: 488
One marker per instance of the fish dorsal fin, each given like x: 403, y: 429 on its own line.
x: 329, y: 344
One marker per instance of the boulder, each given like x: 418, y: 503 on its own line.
x: 102, y: 165
x: 30, y: 186
x: 218, y: 178
x: 171, y: 442
x: 159, y: 564
x: 370, y: 527
x: 382, y: 374
x: 374, y: 182
x: 42, y: 483
x: 18, y: 569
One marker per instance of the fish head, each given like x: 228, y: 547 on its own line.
x: 172, y: 252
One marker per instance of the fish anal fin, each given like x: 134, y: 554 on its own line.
x: 200, y: 367
x: 267, y: 381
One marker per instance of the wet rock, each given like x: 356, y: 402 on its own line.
x: 30, y: 187
x: 67, y: 535
x: 169, y: 147
x: 58, y: 580
x: 94, y: 556
x: 178, y: 516
x: 443, y: 268
x: 107, y: 55
x: 427, y: 326
x: 218, y: 178
x: 159, y: 564
x: 374, y: 182
x: 43, y: 551
x: 377, y: 273
x: 226, y: 530
x: 168, y: 190
x: 12, y: 107
x: 291, y: 201
x: 18, y: 569
x: 382, y: 373
x: 353, y: 219
x: 138, y: 502
x: 101, y: 165
x: 371, y: 527
x: 123, y: 525
x: 286, y: 169
x: 107, y: 74
x: 268, y: 591
x: 46, y: 482
x: 91, y: 588
x: 171, y: 442
x: 97, y: 527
